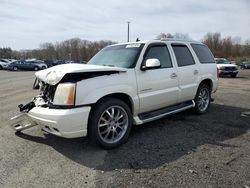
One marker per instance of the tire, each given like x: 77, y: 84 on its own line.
x: 36, y: 68
x: 233, y: 75
x: 15, y: 68
x: 1, y: 68
x: 110, y: 118
x: 202, y: 99
x: 43, y: 67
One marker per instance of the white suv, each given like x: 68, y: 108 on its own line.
x: 122, y: 85
x: 225, y: 67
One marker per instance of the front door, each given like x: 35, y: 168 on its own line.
x: 157, y: 87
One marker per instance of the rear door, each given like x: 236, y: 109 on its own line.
x: 188, y: 71
x: 157, y: 87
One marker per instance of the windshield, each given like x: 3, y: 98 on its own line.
x: 123, y: 56
x: 221, y: 61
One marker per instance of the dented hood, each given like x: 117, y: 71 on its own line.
x: 55, y: 74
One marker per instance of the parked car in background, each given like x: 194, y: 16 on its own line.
x: 59, y: 62
x: 49, y: 63
x: 245, y: 65
x: 26, y: 65
x: 225, y: 67
x: 4, y: 64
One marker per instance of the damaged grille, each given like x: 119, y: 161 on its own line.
x: 48, y: 93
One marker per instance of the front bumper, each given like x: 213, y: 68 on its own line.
x: 227, y: 72
x: 67, y: 123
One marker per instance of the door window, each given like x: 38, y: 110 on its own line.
x: 183, y: 55
x: 161, y: 53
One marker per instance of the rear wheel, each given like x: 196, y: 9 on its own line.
x: 36, y: 68
x: 202, y: 99
x: 43, y: 67
x: 15, y: 68
x: 110, y: 123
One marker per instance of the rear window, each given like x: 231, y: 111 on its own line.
x: 203, y: 53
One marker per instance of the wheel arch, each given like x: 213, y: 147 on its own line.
x: 207, y: 82
x: 122, y: 96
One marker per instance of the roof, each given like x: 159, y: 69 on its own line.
x: 159, y: 40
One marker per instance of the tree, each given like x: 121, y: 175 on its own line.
x: 164, y: 36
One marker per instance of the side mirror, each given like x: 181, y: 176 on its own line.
x: 151, y: 63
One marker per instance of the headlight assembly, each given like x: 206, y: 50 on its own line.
x: 65, y: 94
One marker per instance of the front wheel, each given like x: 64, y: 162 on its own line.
x: 202, y: 99
x: 110, y: 123
x: 36, y: 68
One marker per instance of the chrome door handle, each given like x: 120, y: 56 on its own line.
x: 173, y: 75
x: 196, y: 72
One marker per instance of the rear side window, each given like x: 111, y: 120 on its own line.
x: 161, y: 53
x: 203, y: 53
x: 183, y: 55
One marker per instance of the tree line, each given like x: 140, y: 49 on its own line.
x: 82, y: 50
x: 72, y: 49
x: 228, y: 47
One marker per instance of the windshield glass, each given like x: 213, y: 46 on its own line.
x: 221, y: 61
x: 117, y: 56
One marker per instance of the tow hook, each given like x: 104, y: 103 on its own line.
x: 27, y: 107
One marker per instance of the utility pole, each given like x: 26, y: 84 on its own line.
x: 128, y: 30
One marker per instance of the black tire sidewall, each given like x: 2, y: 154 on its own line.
x: 196, y: 98
x: 36, y: 68
x: 95, y: 114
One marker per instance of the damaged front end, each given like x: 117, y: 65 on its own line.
x: 54, y: 109
x: 44, y: 99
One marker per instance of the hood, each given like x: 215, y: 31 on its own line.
x: 226, y: 65
x: 55, y: 74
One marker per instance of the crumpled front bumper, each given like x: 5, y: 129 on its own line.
x: 68, y: 123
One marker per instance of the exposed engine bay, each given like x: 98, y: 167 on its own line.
x: 47, y: 91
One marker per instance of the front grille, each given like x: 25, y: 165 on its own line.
x: 48, y: 93
x: 230, y: 68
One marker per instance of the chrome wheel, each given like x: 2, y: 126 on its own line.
x: 203, y: 99
x: 113, y: 124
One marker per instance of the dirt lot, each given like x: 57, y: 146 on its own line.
x: 184, y: 150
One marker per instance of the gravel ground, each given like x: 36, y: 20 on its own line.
x: 184, y: 150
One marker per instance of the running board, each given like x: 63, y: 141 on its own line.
x: 157, y: 114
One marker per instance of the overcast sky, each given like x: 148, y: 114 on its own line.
x: 25, y: 24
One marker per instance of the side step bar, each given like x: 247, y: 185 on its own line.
x: 154, y: 115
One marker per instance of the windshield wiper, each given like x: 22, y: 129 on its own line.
x: 108, y: 65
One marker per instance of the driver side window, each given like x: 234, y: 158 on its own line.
x: 161, y: 53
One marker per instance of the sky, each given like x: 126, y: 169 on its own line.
x: 25, y: 24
